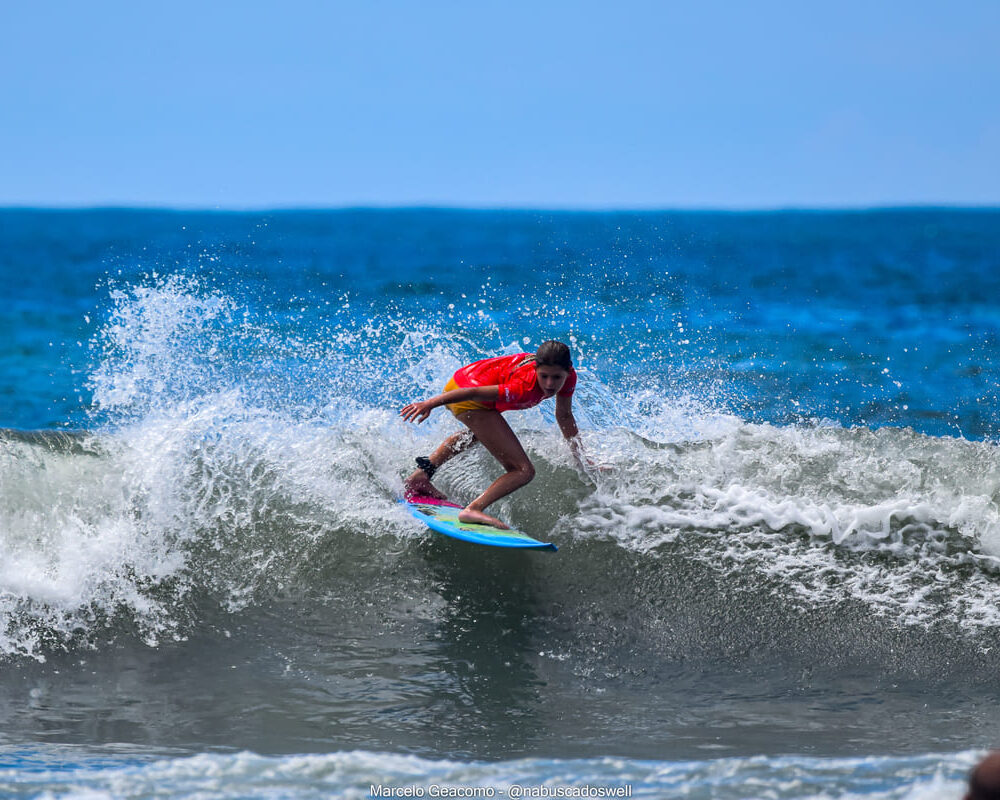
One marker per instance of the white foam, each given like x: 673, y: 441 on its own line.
x: 792, y: 502
x: 351, y: 775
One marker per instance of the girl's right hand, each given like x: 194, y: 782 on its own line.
x: 416, y: 412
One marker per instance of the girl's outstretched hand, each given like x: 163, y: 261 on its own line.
x: 603, y: 469
x: 587, y: 464
x: 416, y: 412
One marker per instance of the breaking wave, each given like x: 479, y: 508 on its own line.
x: 232, y: 460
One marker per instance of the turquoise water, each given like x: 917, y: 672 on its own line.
x: 784, y: 585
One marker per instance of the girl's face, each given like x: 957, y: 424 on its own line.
x: 551, y: 379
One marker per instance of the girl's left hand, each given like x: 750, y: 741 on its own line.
x: 587, y: 464
x: 416, y: 412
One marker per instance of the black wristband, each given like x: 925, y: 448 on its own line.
x: 425, y: 464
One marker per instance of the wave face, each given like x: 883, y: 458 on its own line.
x: 228, y: 502
x: 220, y: 520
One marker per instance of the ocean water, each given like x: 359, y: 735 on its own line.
x: 784, y: 584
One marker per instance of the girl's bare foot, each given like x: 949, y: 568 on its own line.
x: 419, y: 485
x: 471, y: 515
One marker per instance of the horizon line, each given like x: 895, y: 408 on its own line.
x: 523, y: 209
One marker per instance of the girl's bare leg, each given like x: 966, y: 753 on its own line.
x: 418, y: 484
x: 490, y: 428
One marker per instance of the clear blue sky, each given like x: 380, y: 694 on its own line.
x: 526, y: 104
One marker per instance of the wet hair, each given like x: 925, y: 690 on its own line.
x: 554, y: 354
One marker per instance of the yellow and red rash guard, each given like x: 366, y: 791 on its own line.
x: 515, y: 375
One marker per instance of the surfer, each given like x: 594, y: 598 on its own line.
x: 477, y: 395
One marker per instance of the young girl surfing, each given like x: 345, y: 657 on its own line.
x: 477, y: 395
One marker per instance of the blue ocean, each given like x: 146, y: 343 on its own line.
x: 784, y: 582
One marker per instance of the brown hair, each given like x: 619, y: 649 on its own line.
x: 554, y: 354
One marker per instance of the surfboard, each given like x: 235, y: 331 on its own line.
x: 442, y: 516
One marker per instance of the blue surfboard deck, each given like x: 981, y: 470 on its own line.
x: 442, y: 516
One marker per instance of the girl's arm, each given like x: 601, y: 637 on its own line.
x: 567, y: 424
x: 418, y: 412
x: 565, y: 418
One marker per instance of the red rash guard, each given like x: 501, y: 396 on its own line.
x: 515, y: 375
